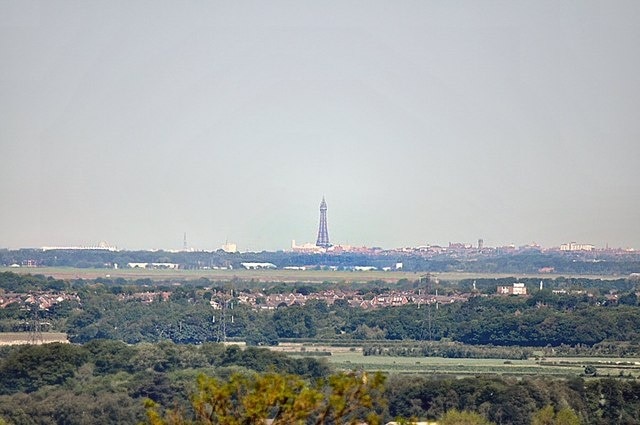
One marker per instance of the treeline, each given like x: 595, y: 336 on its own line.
x: 515, y: 401
x: 494, y: 262
x: 569, y: 285
x: 534, y: 322
x: 561, y: 262
x: 187, y: 318
x: 27, y: 368
x: 106, y: 382
x: 446, y: 349
x: 602, y: 349
x: 13, y: 282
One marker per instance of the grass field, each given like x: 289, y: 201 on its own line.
x: 266, y: 275
x: 351, y: 358
x: 461, y: 367
x: 16, y: 338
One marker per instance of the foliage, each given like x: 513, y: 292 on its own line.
x: 286, y: 399
x: 446, y: 349
x: 481, y: 321
x: 548, y: 416
x: 62, y: 406
x: 30, y: 367
x: 455, y: 417
x: 12, y: 282
x: 499, y: 400
x: 108, y: 310
x: 105, y: 382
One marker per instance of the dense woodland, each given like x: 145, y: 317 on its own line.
x: 107, y: 382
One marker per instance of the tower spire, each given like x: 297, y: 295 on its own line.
x: 323, y: 232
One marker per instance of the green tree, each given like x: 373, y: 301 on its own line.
x: 567, y: 416
x: 544, y: 416
x: 346, y: 398
x: 455, y: 417
x: 30, y: 367
x: 548, y: 416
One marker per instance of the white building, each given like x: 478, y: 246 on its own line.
x: 257, y: 266
x: 573, y: 246
x: 153, y: 265
x: 307, y: 247
x: 230, y: 247
x: 516, y: 289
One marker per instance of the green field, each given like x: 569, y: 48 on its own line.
x: 438, y: 365
x: 266, y: 275
x: 351, y: 358
x: 16, y: 338
x: 462, y: 367
x: 224, y: 275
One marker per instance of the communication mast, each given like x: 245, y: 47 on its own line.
x: 427, y: 279
x: 226, y: 304
x: 35, y: 328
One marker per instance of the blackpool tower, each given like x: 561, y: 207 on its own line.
x: 323, y: 232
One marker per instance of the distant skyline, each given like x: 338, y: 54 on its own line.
x: 421, y: 122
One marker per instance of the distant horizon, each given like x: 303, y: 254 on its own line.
x: 515, y: 122
x: 108, y: 246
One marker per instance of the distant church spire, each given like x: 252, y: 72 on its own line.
x: 323, y: 232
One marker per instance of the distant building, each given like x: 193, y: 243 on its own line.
x: 165, y: 265
x: 364, y: 268
x: 102, y: 246
x: 307, y: 247
x: 257, y: 266
x: 459, y: 246
x: 172, y: 266
x: 230, y: 247
x: 516, y: 289
x: 573, y: 246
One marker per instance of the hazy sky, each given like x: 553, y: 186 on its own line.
x: 420, y: 121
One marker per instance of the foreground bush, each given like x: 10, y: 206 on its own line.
x: 343, y: 398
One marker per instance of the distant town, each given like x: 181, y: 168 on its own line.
x: 324, y: 246
x: 570, y: 257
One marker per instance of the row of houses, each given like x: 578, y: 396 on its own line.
x: 260, y: 301
x: 146, y: 297
x: 44, y: 300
